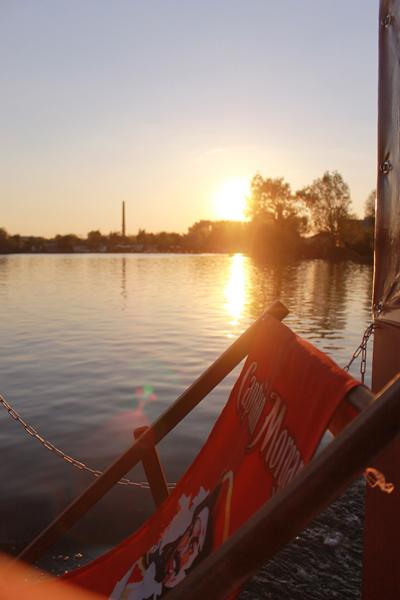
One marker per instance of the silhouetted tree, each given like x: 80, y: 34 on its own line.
x: 328, y: 202
x: 168, y: 241
x: 141, y: 236
x: 114, y: 238
x: 277, y: 218
x: 369, y: 206
x: 272, y: 199
x: 15, y: 243
x: 198, y: 236
x: 369, y: 222
x: 4, y: 243
x: 66, y: 243
x: 95, y: 239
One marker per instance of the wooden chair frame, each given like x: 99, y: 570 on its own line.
x: 278, y: 521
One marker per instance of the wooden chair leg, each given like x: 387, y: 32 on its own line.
x: 154, y: 471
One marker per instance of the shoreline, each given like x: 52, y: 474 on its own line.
x: 335, y: 257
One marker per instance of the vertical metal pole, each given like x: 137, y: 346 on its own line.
x: 381, y: 576
x: 381, y: 563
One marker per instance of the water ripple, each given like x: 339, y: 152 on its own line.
x: 96, y: 345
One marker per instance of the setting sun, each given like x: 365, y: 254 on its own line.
x: 230, y: 200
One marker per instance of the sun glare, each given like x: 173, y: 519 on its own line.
x: 230, y: 200
x: 236, y: 288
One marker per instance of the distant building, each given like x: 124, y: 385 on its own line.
x: 79, y: 248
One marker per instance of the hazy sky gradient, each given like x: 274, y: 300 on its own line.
x: 159, y: 102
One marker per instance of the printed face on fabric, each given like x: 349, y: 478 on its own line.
x: 178, y: 551
x: 184, y: 552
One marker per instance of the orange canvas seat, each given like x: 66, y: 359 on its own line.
x: 282, y: 403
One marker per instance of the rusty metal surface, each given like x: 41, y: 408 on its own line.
x: 381, y: 572
x: 381, y: 578
x: 387, y: 229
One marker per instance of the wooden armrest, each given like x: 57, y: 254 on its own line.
x: 153, y: 469
x: 355, y: 402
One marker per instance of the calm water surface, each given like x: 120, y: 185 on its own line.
x: 93, y: 346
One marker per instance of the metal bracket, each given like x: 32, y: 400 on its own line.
x: 385, y: 167
x: 387, y: 21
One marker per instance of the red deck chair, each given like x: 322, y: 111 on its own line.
x: 287, y: 395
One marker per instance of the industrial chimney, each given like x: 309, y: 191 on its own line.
x: 123, y: 219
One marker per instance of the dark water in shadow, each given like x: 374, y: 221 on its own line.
x: 93, y: 346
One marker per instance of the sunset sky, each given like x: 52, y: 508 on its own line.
x: 174, y: 105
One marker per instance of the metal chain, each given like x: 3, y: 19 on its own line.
x: 72, y: 461
x: 373, y: 477
x: 362, y: 349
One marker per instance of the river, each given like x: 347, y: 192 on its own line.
x: 93, y: 346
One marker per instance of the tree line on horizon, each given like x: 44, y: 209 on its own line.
x: 315, y: 221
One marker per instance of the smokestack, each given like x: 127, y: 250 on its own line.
x: 123, y: 219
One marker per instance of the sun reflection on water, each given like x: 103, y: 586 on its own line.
x: 236, y: 289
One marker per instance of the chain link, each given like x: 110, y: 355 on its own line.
x: 69, y: 459
x: 362, y: 349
